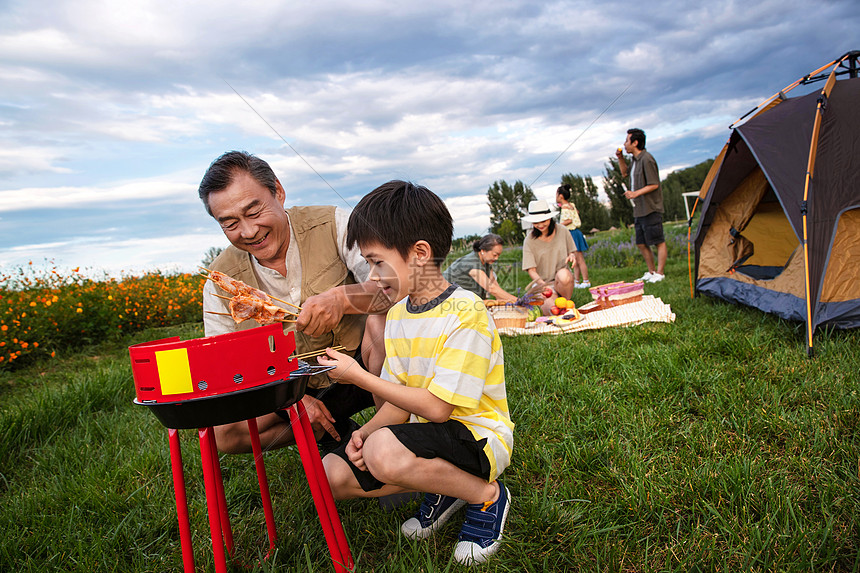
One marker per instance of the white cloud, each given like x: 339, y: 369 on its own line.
x: 119, y: 105
x: 35, y: 198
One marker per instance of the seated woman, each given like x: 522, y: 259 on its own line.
x: 474, y: 272
x: 547, y: 251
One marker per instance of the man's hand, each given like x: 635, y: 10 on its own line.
x: 346, y: 369
x: 354, y: 448
x: 318, y: 415
x: 320, y: 314
x: 631, y: 194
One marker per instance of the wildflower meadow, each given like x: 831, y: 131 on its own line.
x: 45, y: 311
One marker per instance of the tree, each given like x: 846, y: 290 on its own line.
x: 583, y: 194
x: 210, y: 255
x: 614, y: 185
x: 509, y: 204
x: 679, y: 182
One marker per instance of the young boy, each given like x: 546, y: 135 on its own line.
x: 445, y: 428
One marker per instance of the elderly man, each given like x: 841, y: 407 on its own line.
x: 297, y: 255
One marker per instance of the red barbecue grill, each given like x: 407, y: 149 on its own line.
x: 223, y: 379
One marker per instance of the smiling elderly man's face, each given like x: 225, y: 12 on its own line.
x: 253, y: 219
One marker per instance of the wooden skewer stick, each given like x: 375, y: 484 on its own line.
x: 219, y: 313
x: 314, y: 353
x: 285, y: 302
x: 231, y: 298
x: 282, y: 320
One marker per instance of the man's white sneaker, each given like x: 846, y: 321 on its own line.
x: 656, y: 277
x: 646, y: 277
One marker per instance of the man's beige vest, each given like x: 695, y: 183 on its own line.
x: 315, y: 233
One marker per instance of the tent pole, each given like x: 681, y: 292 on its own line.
x: 810, y: 169
x: 689, y: 233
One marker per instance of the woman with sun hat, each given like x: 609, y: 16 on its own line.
x: 548, y: 250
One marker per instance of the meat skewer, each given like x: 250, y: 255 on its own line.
x: 248, y: 302
x: 234, y: 318
x: 234, y: 287
x: 269, y: 307
x: 244, y: 307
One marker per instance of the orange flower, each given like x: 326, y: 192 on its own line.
x: 80, y: 310
x: 4, y: 328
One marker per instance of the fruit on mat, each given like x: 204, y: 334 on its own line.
x: 569, y: 304
x: 556, y: 310
x: 534, y: 313
x: 560, y: 302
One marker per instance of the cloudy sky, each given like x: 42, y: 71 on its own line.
x: 110, y: 112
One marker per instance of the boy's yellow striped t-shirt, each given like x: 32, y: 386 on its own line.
x: 451, y: 347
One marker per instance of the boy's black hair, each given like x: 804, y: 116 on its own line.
x: 397, y: 215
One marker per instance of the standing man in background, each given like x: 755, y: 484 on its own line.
x: 644, y: 191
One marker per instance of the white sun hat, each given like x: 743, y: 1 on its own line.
x: 539, y: 211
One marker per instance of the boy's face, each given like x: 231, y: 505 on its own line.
x: 394, y: 274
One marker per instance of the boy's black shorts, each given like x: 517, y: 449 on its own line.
x: 451, y: 440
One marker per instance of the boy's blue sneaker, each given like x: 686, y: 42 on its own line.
x: 482, y: 531
x: 435, y: 510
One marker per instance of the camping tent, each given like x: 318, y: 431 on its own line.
x: 780, y: 217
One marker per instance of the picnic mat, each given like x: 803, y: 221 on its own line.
x: 649, y: 309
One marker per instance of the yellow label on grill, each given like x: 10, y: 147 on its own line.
x: 174, y: 371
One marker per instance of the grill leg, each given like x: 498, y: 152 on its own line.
x: 181, y: 501
x: 320, y: 489
x: 226, y: 530
x: 264, y: 483
x: 212, y: 501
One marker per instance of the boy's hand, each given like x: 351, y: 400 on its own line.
x: 345, y: 367
x: 354, y: 449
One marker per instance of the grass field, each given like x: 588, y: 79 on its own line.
x: 709, y: 444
